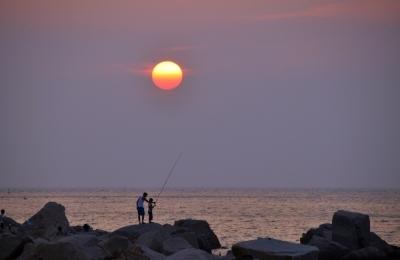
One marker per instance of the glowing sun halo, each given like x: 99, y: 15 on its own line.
x: 167, y: 75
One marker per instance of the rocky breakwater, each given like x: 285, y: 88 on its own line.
x: 48, y: 235
x: 348, y: 237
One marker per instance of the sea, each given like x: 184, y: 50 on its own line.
x: 234, y: 214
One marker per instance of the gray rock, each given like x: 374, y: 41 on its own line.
x: 190, y: 237
x: 82, y: 240
x: 140, y: 252
x: 192, y: 254
x: 114, y: 245
x: 53, y: 250
x: 174, y: 244
x: 10, y: 224
x: 272, y: 249
x: 11, y: 246
x: 328, y: 250
x: 153, y: 239
x: 379, y: 243
x: 395, y: 254
x: 87, y: 243
x: 351, y: 229
x: 132, y: 232
x: 368, y: 253
x: 229, y: 256
x: 206, y: 238
x: 183, y: 232
x: 47, y: 221
x: 324, y: 230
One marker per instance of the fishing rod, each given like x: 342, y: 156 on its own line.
x: 169, y: 175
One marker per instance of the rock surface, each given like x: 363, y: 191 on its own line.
x: 49, y: 222
x: 328, y: 250
x: 53, y: 250
x: 206, y: 238
x: 47, y: 236
x: 144, y: 252
x: 133, y: 232
x: 11, y: 246
x: 192, y: 254
x: 272, y: 249
x: 351, y: 229
x: 367, y: 253
x: 88, y: 243
x: 10, y: 224
x: 174, y: 244
x: 114, y: 245
x: 153, y: 239
x: 324, y: 230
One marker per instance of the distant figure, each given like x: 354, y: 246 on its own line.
x: 152, y: 204
x: 140, y: 207
x: 3, y: 214
x: 2, y: 217
x: 86, y: 227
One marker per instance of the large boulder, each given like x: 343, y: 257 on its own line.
x: 115, y: 245
x: 192, y: 254
x: 10, y: 224
x: 142, y: 252
x: 132, y: 232
x: 53, y: 250
x: 324, y: 230
x: 379, y: 243
x: 328, y: 250
x: 367, y: 253
x: 351, y: 229
x: 11, y: 246
x: 272, y: 249
x: 82, y: 240
x: 206, y: 238
x: 395, y: 254
x: 174, y: 244
x: 87, y: 243
x: 48, y: 222
x: 189, y: 236
x: 153, y: 239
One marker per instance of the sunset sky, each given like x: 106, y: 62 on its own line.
x: 275, y: 93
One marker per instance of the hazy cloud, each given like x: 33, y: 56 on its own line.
x: 384, y: 10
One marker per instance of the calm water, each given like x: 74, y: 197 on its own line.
x: 234, y: 214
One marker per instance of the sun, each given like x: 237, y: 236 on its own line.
x: 167, y: 75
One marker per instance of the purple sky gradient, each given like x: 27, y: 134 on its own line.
x: 276, y: 94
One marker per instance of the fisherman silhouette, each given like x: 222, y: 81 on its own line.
x: 140, y: 207
x: 151, y: 204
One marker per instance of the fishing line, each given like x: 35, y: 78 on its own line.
x: 169, y: 175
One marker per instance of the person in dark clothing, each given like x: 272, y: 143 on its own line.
x: 2, y: 216
x: 152, y: 204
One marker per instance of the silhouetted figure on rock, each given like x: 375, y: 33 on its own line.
x: 140, y: 207
x: 152, y: 204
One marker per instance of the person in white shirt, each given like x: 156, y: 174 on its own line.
x: 140, y: 207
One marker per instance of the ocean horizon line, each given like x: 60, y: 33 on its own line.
x: 191, y: 188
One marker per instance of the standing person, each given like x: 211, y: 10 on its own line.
x: 2, y: 216
x: 151, y: 204
x: 140, y: 207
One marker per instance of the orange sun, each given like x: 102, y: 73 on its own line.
x: 167, y: 75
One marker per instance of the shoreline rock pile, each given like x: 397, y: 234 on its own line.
x: 348, y: 237
x: 47, y: 235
